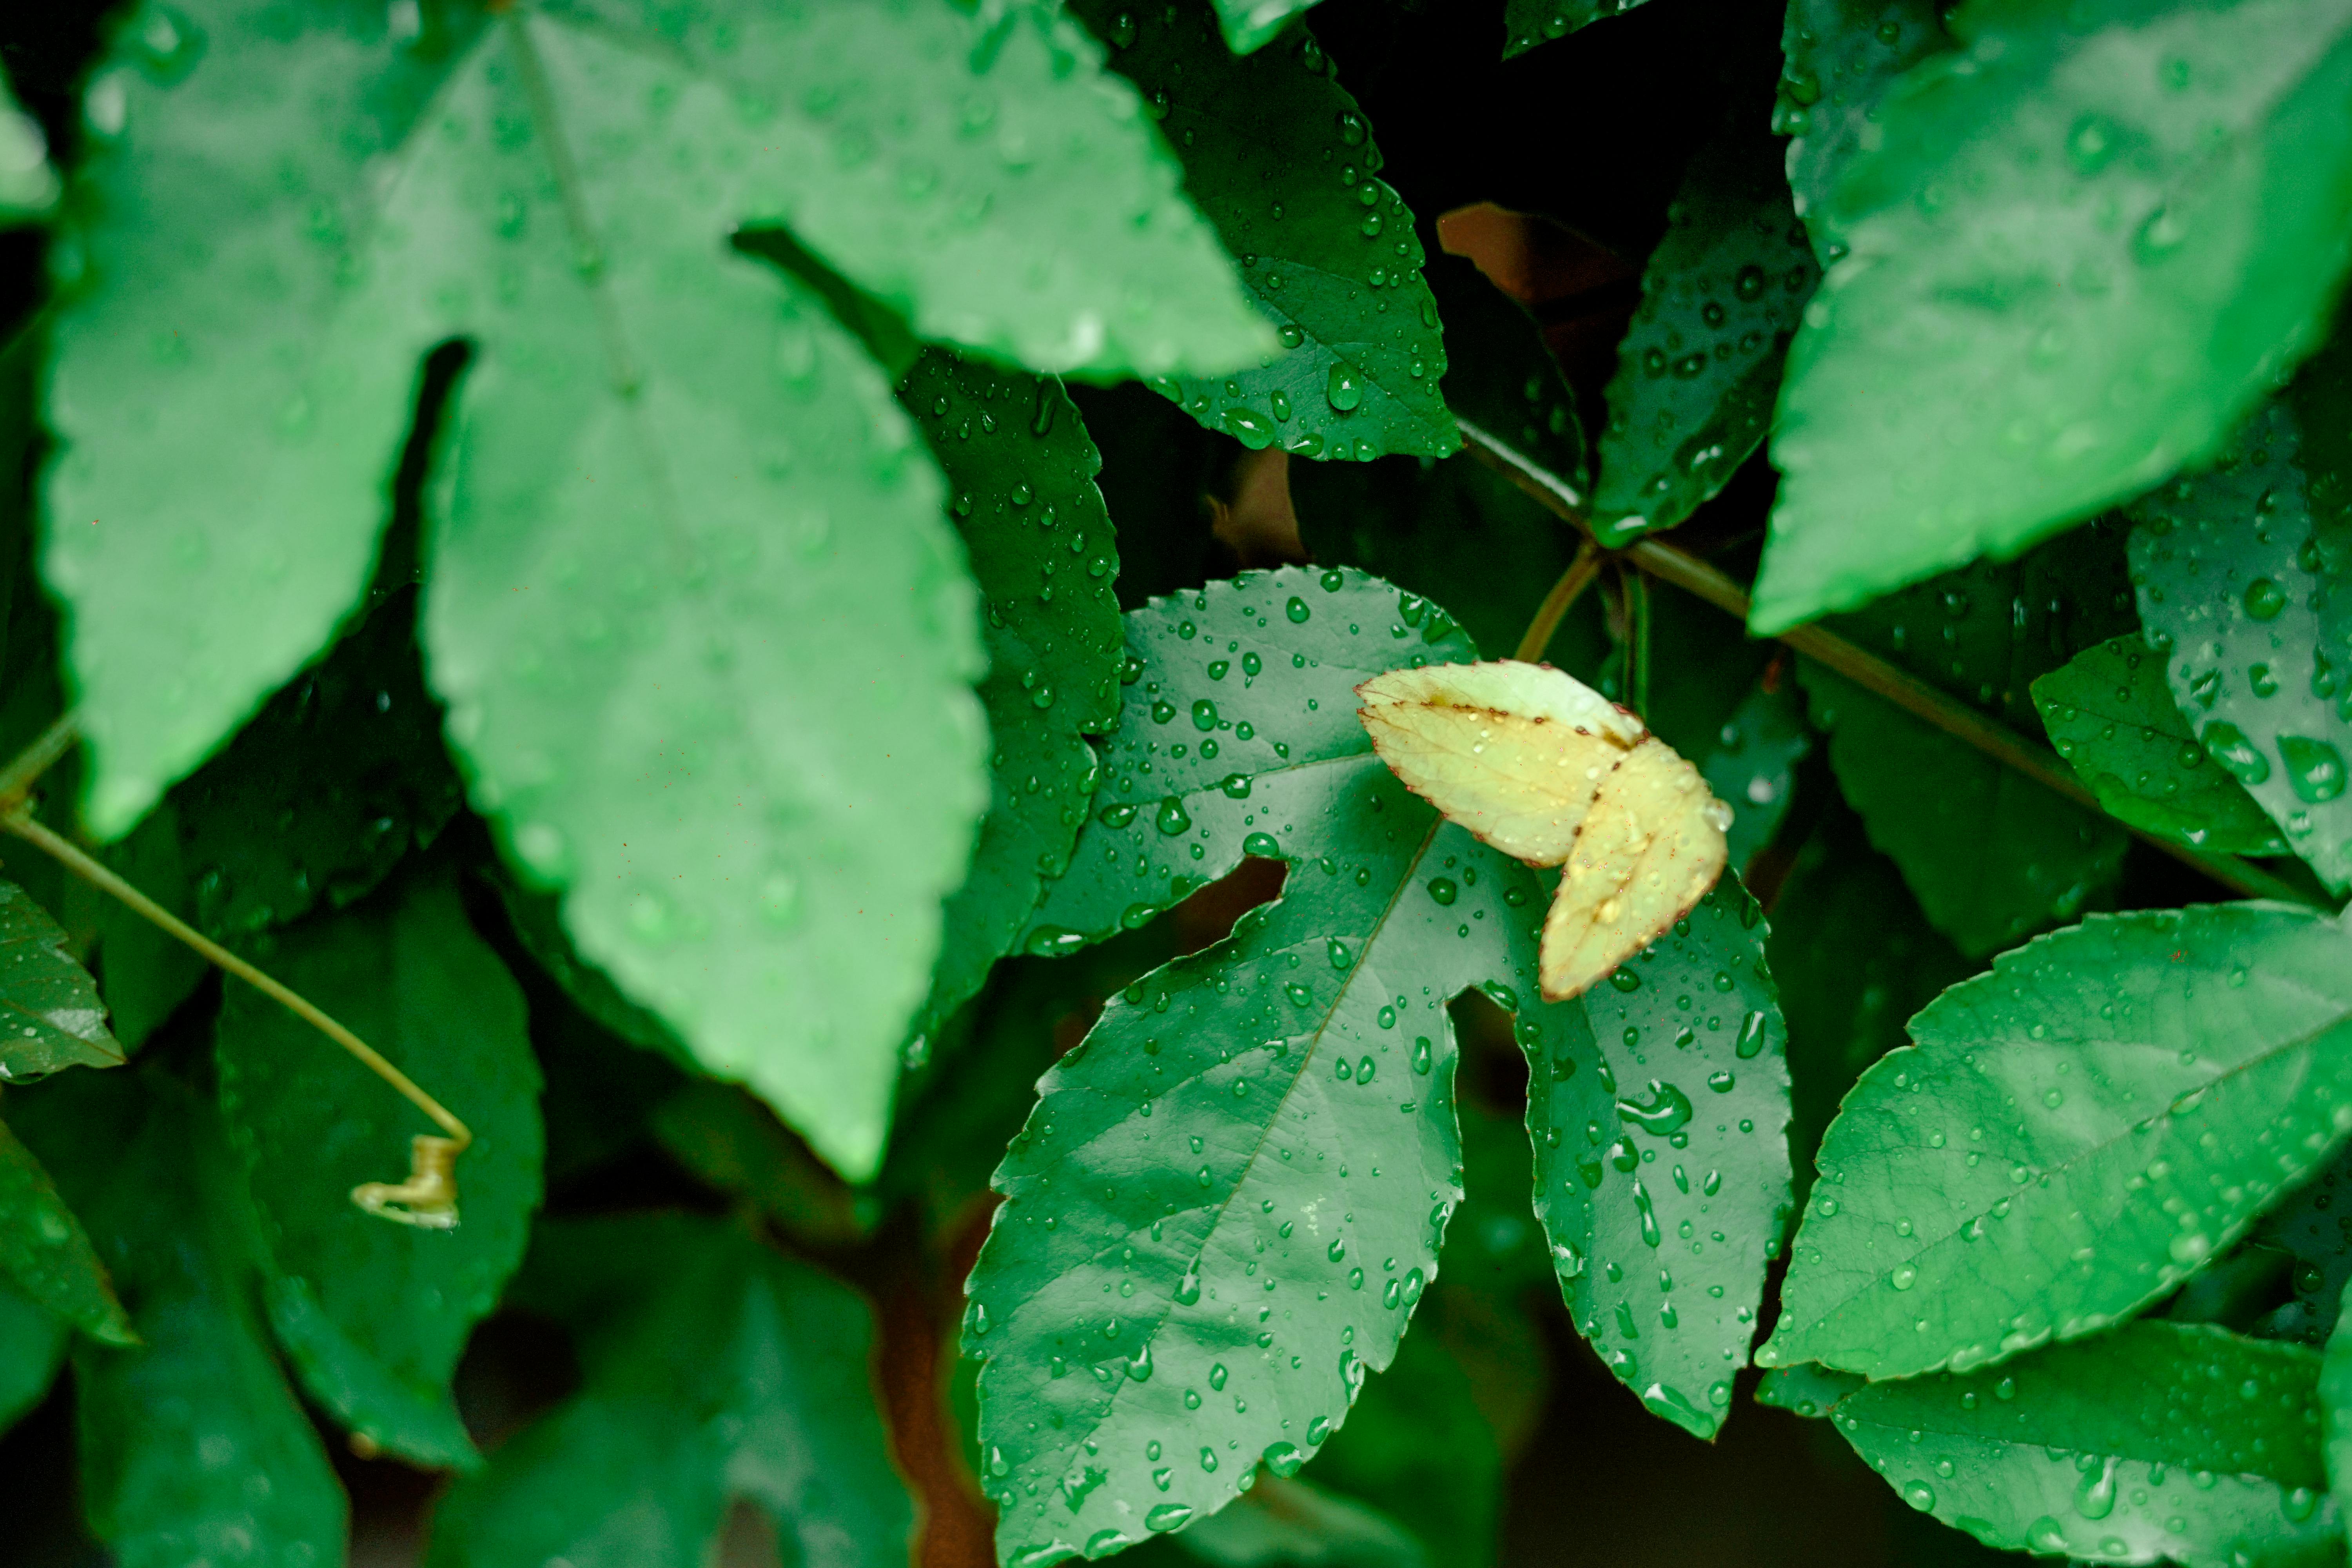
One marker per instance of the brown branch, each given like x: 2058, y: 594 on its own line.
x: 1872, y: 674
x: 1564, y: 593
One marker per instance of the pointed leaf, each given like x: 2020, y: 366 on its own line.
x: 1025, y: 211
x: 1700, y: 365
x: 1251, y: 24
x: 711, y: 1367
x: 2158, y: 1442
x: 191, y: 1445
x: 1527, y: 22
x: 1020, y: 471
x: 32, y: 1348
x: 1842, y: 58
x: 2310, y: 1228
x: 1278, y: 156
x: 1501, y: 376
x: 50, y: 1017
x: 28, y: 185
x: 46, y: 1255
x: 373, y: 1315
x: 2231, y: 586
x: 2046, y: 223
x: 1752, y: 768
x: 2071, y: 1136
x: 2112, y: 717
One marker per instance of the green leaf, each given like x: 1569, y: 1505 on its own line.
x: 2336, y: 1402
x: 538, y: 924
x: 2231, y: 581
x: 1527, y: 22
x: 2072, y: 1135
x: 1660, y: 1117
x: 2310, y: 1227
x: 1299, y: 1523
x: 192, y: 1443
x: 1841, y: 56
x: 1752, y: 767
x: 1501, y: 376
x: 46, y: 1255
x: 28, y: 185
x: 1806, y: 1389
x: 50, y: 1017
x: 733, y: 1145
x: 1020, y: 471
x: 1417, y: 1448
x: 1278, y: 155
x: 1251, y: 24
x: 2160, y: 1441
x: 2046, y: 222
x: 32, y: 1348
x: 374, y: 1315
x: 1023, y: 211
x: 2112, y: 717
x: 711, y: 1367
x: 1700, y: 365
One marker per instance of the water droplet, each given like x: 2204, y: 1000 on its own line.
x: 1188, y: 1289
x: 2263, y: 600
x: 1442, y: 889
x: 1166, y: 1516
x: 1343, y: 388
x: 2315, y: 768
x: 1296, y: 610
x: 1174, y: 818
x: 1919, y: 1495
x: 1262, y: 845
x: 1663, y: 1110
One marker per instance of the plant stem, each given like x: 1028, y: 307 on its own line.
x: 1556, y: 605
x: 1875, y: 674
x: 1637, y: 640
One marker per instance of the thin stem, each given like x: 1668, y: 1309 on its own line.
x: 16, y: 780
x: 1556, y: 605
x: 1637, y: 639
x: 1875, y: 674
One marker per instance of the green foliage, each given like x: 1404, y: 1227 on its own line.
x: 1529, y: 22
x: 46, y: 1256
x: 373, y: 1316
x: 28, y: 185
x: 2071, y: 1135
x: 1501, y: 378
x: 2187, y: 220
x: 32, y: 1347
x: 1841, y: 55
x: 1752, y: 765
x: 1327, y: 250
x: 50, y: 1017
x: 2111, y: 715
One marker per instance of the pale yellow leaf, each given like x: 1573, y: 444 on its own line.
x: 1549, y: 771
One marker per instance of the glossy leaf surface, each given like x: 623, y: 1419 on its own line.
x: 373, y: 1315
x: 1501, y: 376
x: 1251, y: 24
x: 1752, y: 767
x: 2089, y: 266
x: 1278, y: 155
x: 1527, y: 22
x: 45, y: 1254
x: 32, y: 1348
x: 2160, y: 1441
x: 2112, y: 717
x: 1840, y: 58
x: 2071, y: 1134
x: 50, y: 1017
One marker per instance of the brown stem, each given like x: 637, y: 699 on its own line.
x: 1556, y: 605
x: 1875, y: 674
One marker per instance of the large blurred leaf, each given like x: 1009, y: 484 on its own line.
x: 1700, y: 365
x: 2072, y: 1135
x: 28, y: 185
x: 50, y: 1017
x: 2160, y: 1441
x: 45, y: 1253
x: 1841, y: 57
x: 192, y: 1447
x: 1020, y: 471
x: 2336, y: 1410
x: 236, y: 365
x: 373, y: 1315
x: 1276, y: 154
x: 2235, y: 591
x: 2083, y: 243
x: 32, y: 1348
x: 2112, y: 717
x: 1248, y: 24
x: 711, y: 1368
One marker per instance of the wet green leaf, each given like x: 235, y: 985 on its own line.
x: 2072, y: 1134
x: 1841, y: 57
x: 1023, y: 211
x: 1752, y: 767
x: 2113, y: 718
x: 1418, y: 1448
x: 1020, y: 469
x: 1700, y: 365
x: 191, y: 1443
x: 1250, y: 23
x: 2160, y: 1441
x: 1806, y: 1389
x: 2231, y: 584
x: 538, y: 924
x: 2335, y: 1406
x: 1501, y: 376
x: 45, y: 1253
x: 28, y: 185
x: 1278, y: 156
x: 50, y: 1017
x: 1301, y: 1524
x: 32, y: 1348
x: 711, y: 1367
x: 2047, y: 220
x: 2314, y: 1227
x: 1527, y: 22
x: 373, y: 1315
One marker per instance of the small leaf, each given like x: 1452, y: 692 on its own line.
x: 28, y: 185
x: 711, y: 1367
x: 1278, y: 156
x: 1250, y: 23
x: 2231, y: 581
x: 2160, y: 1441
x: 1842, y: 58
x: 50, y: 1017
x: 32, y: 1348
x: 2072, y: 1136
x: 2113, y: 718
x: 1020, y: 471
x: 46, y: 1255
x: 1527, y: 22
x: 2046, y: 221
x: 1700, y: 365
x: 194, y: 1439
x: 1501, y: 376
x: 1752, y: 767
x: 373, y: 1315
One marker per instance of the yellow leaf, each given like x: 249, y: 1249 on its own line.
x: 1551, y: 772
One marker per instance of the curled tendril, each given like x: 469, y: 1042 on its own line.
x: 428, y: 1199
